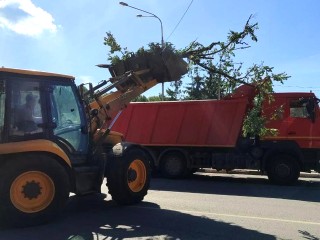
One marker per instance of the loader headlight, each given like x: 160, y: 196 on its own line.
x: 117, y: 149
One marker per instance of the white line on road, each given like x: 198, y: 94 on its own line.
x: 234, y: 215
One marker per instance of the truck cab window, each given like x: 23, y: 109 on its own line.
x: 2, y: 105
x: 298, y: 109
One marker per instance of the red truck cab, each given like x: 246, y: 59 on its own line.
x: 298, y: 125
x: 298, y: 120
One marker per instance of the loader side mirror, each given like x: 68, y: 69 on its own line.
x: 94, y: 112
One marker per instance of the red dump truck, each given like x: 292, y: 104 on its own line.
x: 183, y: 136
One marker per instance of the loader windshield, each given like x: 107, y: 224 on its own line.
x: 67, y: 116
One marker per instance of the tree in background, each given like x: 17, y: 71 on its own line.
x: 175, y: 93
x: 216, y: 73
x: 143, y: 98
x: 216, y: 61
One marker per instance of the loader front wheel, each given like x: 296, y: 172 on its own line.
x: 128, y: 177
x: 33, y: 191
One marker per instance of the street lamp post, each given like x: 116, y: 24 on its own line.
x: 155, y: 16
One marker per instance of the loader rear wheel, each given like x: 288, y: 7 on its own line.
x: 128, y: 177
x: 32, y: 185
x: 34, y: 190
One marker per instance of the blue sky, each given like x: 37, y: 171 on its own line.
x: 67, y: 36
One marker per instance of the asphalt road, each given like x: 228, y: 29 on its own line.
x: 206, y: 206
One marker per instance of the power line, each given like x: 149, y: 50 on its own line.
x: 180, y: 20
x: 285, y: 86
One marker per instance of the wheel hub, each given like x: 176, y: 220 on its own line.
x: 283, y: 170
x: 132, y: 175
x: 31, y: 190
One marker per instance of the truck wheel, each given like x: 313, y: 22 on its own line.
x: 128, y: 178
x: 193, y: 170
x: 283, y: 169
x: 34, y: 189
x: 173, y: 165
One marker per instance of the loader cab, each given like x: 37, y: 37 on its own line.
x: 36, y: 105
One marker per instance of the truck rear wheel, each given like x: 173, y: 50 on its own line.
x: 173, y: 165
x: 34, y: 190
x: 283, y: 169
x: 128, y: 178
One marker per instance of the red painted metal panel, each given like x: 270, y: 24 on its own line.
x: 299, y: 129
x: 187, y: 123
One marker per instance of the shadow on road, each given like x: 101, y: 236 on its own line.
x: 308, y: 236
x: 304, y: 190
x: 91, y: 218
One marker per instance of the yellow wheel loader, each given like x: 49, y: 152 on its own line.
x: 56, y: 138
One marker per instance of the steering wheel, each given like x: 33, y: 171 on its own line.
x: 67, y: 122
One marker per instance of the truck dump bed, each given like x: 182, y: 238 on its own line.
x: 183, y: 123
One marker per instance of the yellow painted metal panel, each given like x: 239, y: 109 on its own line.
x: 35, y: 73
x: 39, y: 145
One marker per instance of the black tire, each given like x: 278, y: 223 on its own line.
x: 283, y: 169
x: 173, y: 165
x: 193, y: 170
x: 34, y: 190
x: 128, y: 177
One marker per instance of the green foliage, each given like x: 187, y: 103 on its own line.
x: 154, y: 98
x: 163, y: 62
x: 140, y: 98
x: 112, y: 43
x: 143, y: 98
x: 117, y: 53
x: 215, y: 73
x: 217, y: 61
x: 255, y: 120
x: 115, y: 49
x: 175, y: 93
x: 196, y: 89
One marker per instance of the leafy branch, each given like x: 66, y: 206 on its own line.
x: 115, y: 49
x: 216, y: 61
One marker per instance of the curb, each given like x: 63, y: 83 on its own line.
x: 312, y: 174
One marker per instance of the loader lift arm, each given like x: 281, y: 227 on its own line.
x: 105, y: 101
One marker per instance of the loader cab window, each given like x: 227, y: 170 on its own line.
x: 2, y: 107
x: 26, y: 111
x: 68, y: 119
